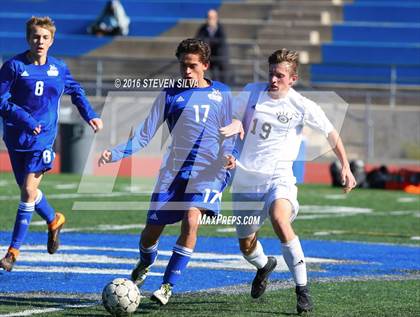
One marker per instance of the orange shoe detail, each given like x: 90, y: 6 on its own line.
x: 54, y: 229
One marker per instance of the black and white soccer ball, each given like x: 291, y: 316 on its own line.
x: 121, y: 297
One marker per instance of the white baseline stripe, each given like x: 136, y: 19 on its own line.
x: 76, y: 269
x: 33, y: 312
x: 199, y: 260
x: 105, y: 228
x: 45, y: 310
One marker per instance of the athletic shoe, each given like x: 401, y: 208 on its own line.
x: 163, y: 294
x: 259, y: 284
x: 304, y: 301
x: 54, y: 229
x: 139, y: 273
x: 9, y: 260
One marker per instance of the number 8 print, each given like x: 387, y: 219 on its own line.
x: 39, y: 88
x: 47, y: 156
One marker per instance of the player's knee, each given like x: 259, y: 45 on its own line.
x: 148, y: 239
x: 247, y: 246
x: 147, y: 242
x: 283, y: 229
x: 28, y: 193
x: 189, y: 230
x: 282, y: 223
x: 191, y: 222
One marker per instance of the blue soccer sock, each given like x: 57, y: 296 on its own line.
x: 23, y: 219
x: 43, y: 208
x: 178, y: 262
x: 148, y: 255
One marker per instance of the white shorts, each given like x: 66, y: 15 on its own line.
x: 253, y: 204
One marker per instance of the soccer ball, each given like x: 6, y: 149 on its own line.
x: 121, y: 297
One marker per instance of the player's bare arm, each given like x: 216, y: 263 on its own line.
x: 96, y: 124
x: 105, y: 158
x: 37, y: 130
x: 230, y: 162
x: 235, y: 127
x: 348, y: 180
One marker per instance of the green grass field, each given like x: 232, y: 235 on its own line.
x: 326, y: 213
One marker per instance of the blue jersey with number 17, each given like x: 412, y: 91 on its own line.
x: 32, y: 93
x: 194, y: 117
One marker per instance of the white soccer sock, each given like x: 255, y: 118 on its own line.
x: 295, y: 260
x: 257, y: 258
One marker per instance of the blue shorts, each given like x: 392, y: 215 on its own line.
x: 24, y: 163
x: 169, y: 202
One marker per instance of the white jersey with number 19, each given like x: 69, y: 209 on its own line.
x: 273, y: 133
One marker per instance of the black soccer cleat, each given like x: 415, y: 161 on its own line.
x: 139, y: 273
x: 259, y: 284
x: 304, y: 301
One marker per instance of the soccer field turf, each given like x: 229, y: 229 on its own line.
x: 387, y: 284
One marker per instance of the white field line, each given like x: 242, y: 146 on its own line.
x: 284, y: 284
x: 105, y: 228
x: 76, y: 270
x: 229, y: 229
x: 335, y: 196
x: 32, y: 312
x: 199, y: 260
x: 93, y: 228
x: 38, y: 223
x: 318, y: 209
x: 66, y: 186
x: 327, y: 233
x: 408, y: 199
x: 72, y: 196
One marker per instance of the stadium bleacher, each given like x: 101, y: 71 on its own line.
x: 361, y: 41
x: 377, y: 42
x: 148, y: 18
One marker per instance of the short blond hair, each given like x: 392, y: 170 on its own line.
x: 288, y: 56
x: 44, y: 22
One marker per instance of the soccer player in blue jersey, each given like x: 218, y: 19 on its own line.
x: 195, y: 170
x: 31, y: 85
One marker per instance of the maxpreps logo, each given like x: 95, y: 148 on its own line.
x: 215, y: 95
x: 53, y: 71
x: 284, y: 117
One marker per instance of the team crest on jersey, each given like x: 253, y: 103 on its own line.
x: 284, y: 117
x: 215, y: 95
x: 53, y: 71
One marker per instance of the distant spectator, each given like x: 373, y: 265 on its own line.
x: 112, y: 21
x: 213, y: 33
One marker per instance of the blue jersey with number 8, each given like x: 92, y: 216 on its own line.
x: 37, y: 90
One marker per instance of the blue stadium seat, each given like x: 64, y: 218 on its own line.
x: 328, y: 73
x: 148, y: 18
x: 382, y: 11
x: 375, y: 37
x: 374, y: 32
x: 65, y: 45
x: 371, y: 53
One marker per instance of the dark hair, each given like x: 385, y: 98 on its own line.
x: 194, y: 46
x: 285, y: 55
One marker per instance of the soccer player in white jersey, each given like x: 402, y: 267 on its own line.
x: 271, y: 116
